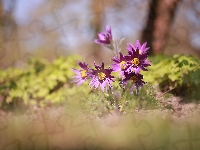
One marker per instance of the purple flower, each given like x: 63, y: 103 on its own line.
x: 83, y: 74
x: 136, y: 58
x: 120, y: 64
x: 105, y: 38
x: 101, y: 77
x: 142, y: 48
x: 136, y: 79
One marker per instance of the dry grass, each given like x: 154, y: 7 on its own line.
x: 65, y: 128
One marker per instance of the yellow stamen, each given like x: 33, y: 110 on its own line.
x: 83, y: 74
x: 135, y: 61
x: 123, y: 65
x: 134, y: 79
x: 101, y: 75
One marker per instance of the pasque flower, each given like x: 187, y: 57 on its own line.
x: 120, y: 64
x: 128, y: 65
x: 105, y: 38
x: 137, y: 58
x: 101, y: 77
x: 142, y: 48
x: 135, y: 79
x: 83, y: 74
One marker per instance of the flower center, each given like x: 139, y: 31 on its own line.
x: 101, y: 76
x: 83, y: 74
x: 123, y: 65
x: 135, y: 61
x: 140, y: 52
x: 134, y: 79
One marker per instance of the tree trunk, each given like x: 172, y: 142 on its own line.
x: 97, y: 20
x: 7, y: 31
x: 160, y: 18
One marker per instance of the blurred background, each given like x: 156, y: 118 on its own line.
x: 49, y: 29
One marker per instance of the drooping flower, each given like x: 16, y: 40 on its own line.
x: 137, y: 59
x: 105, y: 38
x: 120, y: 64
x: 136, y: 80
x: 83, y: 74
x: 101, y: 77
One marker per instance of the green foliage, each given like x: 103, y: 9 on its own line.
x: 39, y: 82
x: 43, y: 83
x: 145, y: 99
x: 180, y: 72
x: 101, y: 104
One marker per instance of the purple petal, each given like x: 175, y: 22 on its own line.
x: 96, y: 66
x: 101, y: 41
x: 143, y: 68
x: 102, y: 85
x: 144, y: 45
x: 101, y: 36
x: 121, y: 56
x: 76, y: 71
x: 116, y: 67
x: 96, y: 84
x: 93, y: 83
x: 116, y: 60
x: 80, y: 82
x: 102, y: 65
x: 138, y: 44
x: 79, y: 76
x: 76, y: 80
x: 108, y: 29
x: 131, y: 46
x: 81, y: 64
x: 143, y: 56
x: 108, y: 81
x: 137, y: 70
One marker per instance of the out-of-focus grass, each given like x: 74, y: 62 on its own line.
x: 68, y: 128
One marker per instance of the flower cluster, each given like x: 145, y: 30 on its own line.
x: 128, y: 66
x: 99, y: 76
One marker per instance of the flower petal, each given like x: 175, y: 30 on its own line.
x: 102, y: 85
x: 138, y: 44
x: 101, y: 36
x: 108, y: 29
x: 137, y: 70
x: 76, y: 71
x: 80, y: 82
